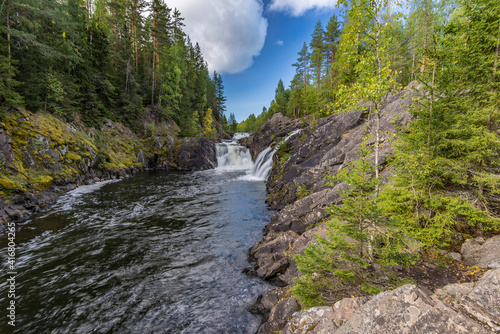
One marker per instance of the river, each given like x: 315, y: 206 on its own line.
x: 160, y: 252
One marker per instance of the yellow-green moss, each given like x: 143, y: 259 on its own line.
x: 73, y: 157
x: 7, y: 184
x: 41, y: 182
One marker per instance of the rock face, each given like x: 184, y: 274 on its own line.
x: 457, y: 308
x: 314, y: 152
x: 309, y: 155
x: 42, y: 156
x: 481, y: 253
x: 329, y: 145
x: 275, y: 127
x: 196, y: 154
x: 298, y: 191
x: 323, y: 320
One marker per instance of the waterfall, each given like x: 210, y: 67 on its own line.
x: 232, y: 156
x: 264, y: 161
x: 263, y: 164
x: 240, y: 135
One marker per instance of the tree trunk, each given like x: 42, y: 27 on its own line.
x: 431, y: 108
x: 495, y: 63
x: 413, y: 67
x: 8, y: 44
x: 376, y: 106
x: 153, y: 79
x: 127, y: 74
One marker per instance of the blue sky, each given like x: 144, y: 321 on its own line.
x: 252, y: 43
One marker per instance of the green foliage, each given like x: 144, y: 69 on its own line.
x: 208, y: 126
x: 302, y: 192
x: 232, y: 123
x: 105, y: 59
x: 55, y: 94
x: 283, y: 152
x: 358, y: 235
x: 447, y: 161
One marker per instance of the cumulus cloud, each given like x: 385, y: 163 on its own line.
x: 230, y: 32
x: 299, y: 7
x: 279, y: 42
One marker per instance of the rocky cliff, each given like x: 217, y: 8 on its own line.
x: 299, y: 193
x: 42, y: 156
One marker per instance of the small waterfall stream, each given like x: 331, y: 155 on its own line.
x: 231, y: 155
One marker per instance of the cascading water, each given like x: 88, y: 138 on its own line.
x: 231, y: 155
x: 263, y: 164
x: 264, y: 161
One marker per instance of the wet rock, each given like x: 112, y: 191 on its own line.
x: 268, y: 300
x: 482, y: 253
x: 196, y: 154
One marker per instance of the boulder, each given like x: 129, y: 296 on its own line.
x: 408, y: 309
x: 482, y: 253
x: 323, y: 320
x: 279, y: 316
x: 196, y: 154
x: 478, y: 300
x: 315, y: 320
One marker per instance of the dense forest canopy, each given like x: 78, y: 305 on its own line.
x: 99, y: 59
x: 332, y: 60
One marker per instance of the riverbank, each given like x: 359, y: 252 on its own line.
x: 298, y: 190
x: 42, y: 157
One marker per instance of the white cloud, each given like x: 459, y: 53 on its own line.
x: 299, y: 7
x: 279, y: 42
x: 230, y: 32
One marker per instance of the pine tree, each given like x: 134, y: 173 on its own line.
x: 332, y: 35
x: 317, y: 53
x: 232, y: 123
x: 358, y: 235
x: 448, y: 155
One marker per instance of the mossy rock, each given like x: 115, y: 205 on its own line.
x: 42, y: 182
x: 73, y: 157
x: 8, y: 184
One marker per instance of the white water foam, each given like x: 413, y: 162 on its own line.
x: 232, y: 156
x: 240, y: 135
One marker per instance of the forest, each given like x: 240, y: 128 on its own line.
x: 404, y: 40
x: 445, y: 168
x: 98, y: 59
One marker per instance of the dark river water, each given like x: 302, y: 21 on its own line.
x: 161, y: 252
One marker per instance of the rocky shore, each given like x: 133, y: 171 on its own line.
x: 299, y: 193
x: 42, y: 157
